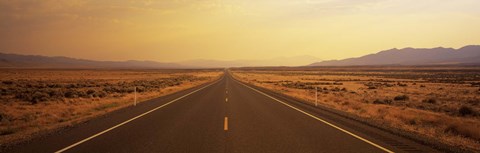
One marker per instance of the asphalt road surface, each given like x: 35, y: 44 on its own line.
x: 224, y: 116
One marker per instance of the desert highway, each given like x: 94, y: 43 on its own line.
x: 223, y: 116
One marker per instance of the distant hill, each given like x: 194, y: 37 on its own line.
x: 279, y: 61
x: 35, y: 61
x: 412, y: 56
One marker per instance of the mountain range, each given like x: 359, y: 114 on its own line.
x: 37, y: 61
x: 279, y: 61
x: 467, y: 55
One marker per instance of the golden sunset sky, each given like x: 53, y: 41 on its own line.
x: 179, y: 30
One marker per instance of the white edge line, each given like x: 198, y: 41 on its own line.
x: 321, y: 120
x: 127, y: 121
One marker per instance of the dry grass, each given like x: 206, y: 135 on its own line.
x: 441, y: 105
x: 38, y: 101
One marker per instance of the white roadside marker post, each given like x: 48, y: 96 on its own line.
x: 316, y: 96
x: 135, y: 96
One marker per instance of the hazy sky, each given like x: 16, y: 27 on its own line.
x: 232, y: 29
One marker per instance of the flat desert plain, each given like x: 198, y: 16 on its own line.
x: 438, y: 103
x: 37, y: 101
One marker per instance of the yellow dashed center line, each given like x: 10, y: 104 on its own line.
x: 225, y: 125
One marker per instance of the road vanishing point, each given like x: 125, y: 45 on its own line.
x: 223, y: 116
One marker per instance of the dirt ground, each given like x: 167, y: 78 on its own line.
x: 36, y: 101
